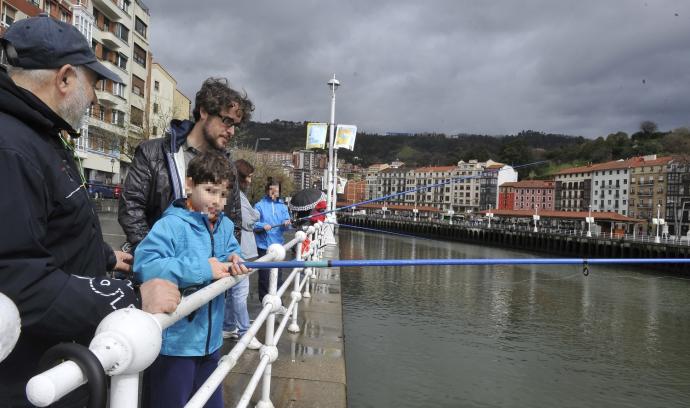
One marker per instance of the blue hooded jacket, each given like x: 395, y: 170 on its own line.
x: 177, y: 249
x: 272, y: 213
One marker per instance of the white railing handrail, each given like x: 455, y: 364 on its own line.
x: 117, y: 352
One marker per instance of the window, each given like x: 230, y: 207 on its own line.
x: 121, y: 61
x: 155, y: 108
x: 48, y: 7
x: 155, y: 130
x: 137, y: 117
x: 156, y: 85
x: 64, y: 17
x: 140, y: 27
x: 122, y: 32
x: 118, y: 118
x: 8, y: 15
x: 124, y: 5
x: 118, y: 89
x: 138, y: 86
x: 139, y: 55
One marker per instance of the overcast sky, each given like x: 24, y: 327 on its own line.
x: 580, y: 67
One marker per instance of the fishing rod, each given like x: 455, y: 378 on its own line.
x: 414, y: 190
x: 585, y: 262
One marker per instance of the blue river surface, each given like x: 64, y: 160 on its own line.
x: 509, y: 336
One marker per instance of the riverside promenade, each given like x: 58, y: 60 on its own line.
x: 310, y: 370
x: 548, y: 242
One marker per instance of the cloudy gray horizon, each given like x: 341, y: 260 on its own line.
x: 586, y: 68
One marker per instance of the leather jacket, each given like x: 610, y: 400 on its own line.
x: 153, y: 183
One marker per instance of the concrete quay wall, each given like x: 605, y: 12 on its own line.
x: 553, y: 244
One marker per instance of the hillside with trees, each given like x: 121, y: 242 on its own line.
x: 439, y: 149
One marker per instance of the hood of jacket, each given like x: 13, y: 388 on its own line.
x: 177, y: 133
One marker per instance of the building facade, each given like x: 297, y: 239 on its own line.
x: 677, y: 213
x: 648, y: 189
x: 527, y: 194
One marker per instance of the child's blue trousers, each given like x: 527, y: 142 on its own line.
x: 175, y: 379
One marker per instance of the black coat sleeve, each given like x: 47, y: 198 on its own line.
x: 51, y: 302
x: 134, y: 198
x: 233, y: 207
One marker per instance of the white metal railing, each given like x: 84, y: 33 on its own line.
x: 10, y: 325
x: 127, y: 341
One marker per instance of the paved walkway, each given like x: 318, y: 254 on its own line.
x: 310, y: 370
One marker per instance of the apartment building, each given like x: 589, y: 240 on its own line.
x: 422, y: 177
x: 610, y: 188
x: 494, y: 176
x: 13, y: 10
x: 309, y: 169
x: 394, y: 180
x: 373, y: 187
x: 677, y: 213
x: 466, y: 186
x: 573, y: 189
x: 182, y: 106
x: 354, y: 192
x: 526, y: 195
x: 161, y: 109
x: 648, y: 186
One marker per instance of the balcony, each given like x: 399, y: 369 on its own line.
x: 110, y: 9
x: 108, y: 39
x: 107, y: 98
x: 646, y: 183
x: 645, y: 193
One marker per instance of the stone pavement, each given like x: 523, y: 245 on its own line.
x: 310, y: 370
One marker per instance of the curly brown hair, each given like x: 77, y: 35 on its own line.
x: 210, y: 167
x: 216, y: 95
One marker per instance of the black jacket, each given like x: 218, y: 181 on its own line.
x: 153, y: 183
x: 51, y: 247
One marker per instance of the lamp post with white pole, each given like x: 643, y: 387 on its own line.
x: 589, y: 220
x: 489, y: 216
x: 333, y: 84
x: 658, y: 221
x: 535, y: 217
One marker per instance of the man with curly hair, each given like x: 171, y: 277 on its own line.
x: 157, y: 175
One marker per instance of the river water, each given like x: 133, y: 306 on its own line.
x: 504, y: 336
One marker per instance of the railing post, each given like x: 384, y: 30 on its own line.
x: 265, y: 401
x: 124, y: 391
x: 294, y: 327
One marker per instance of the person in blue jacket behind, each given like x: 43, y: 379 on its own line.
x: 273, y: 221
x: 188, y: 246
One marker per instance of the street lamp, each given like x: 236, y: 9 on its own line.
x: 658, y: 221
x: 589, y: 220
x: 450, y: 214
x: 256, y: 145
x: 333, y: 84
x: 415, y: 211
x: 489, y: 215
x: 383, y: 210
x: 535, y: 217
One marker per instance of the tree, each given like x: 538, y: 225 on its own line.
x: 262, y: 171
x: 648, y: 127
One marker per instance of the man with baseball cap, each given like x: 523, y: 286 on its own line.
x: 53, y: 258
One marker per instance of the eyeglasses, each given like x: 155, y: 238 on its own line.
x: 228, y: 121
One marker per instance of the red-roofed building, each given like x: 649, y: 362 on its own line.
x: 526, y: 194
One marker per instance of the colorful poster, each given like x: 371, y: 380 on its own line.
x: 340, y: 187
x: 316, y: 135
x: 345, y: 137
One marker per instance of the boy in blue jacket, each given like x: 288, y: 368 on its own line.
x: 188, y: 246
x: 274, y: 219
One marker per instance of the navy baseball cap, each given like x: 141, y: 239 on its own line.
x: 45, y: 43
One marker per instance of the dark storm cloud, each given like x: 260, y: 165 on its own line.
x: 587, y: 67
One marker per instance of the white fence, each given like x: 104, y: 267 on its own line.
x: 127, y: 341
